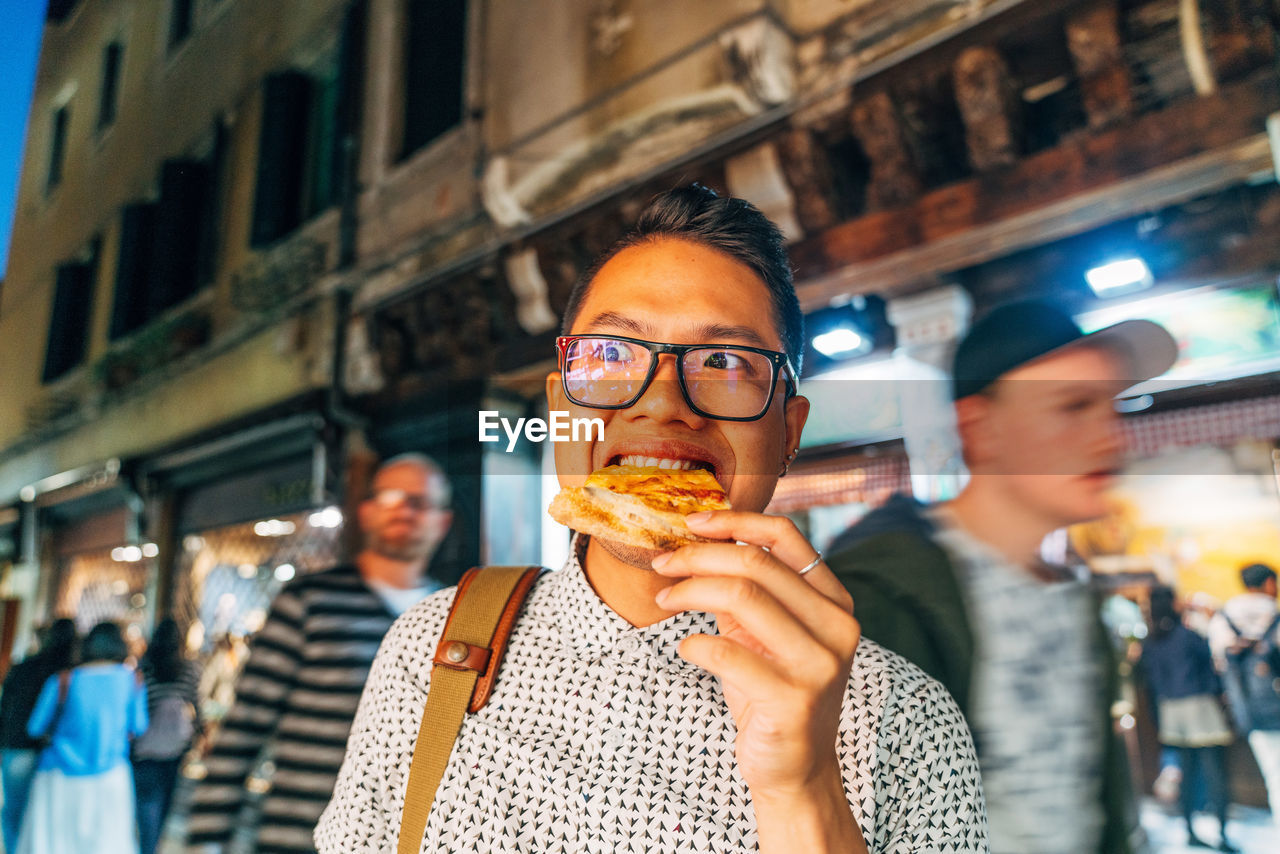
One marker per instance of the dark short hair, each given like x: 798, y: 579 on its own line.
x: 733, y: 226
x: 59, y: 646
x: 105, y: 642
x: 1164, y: 611
x: 1256, y: 574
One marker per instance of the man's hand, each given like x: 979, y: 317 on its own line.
x: 783, y: 656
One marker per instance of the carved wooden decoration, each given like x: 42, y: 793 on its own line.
x: 807, y: 169
x: 990, y: 107
x: 1093, y: 37
x: 895, y: 179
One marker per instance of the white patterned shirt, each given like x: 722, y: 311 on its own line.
x: 600, y: 738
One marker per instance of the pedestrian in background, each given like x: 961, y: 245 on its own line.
x: 962, y: 591
x: 308, y: 664
x: 18, y: 698
x: 82, y: 797
x: 1245, y: 638
x: 172, y: 681
x: 1179, y: 670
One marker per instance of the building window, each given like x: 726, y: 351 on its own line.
x: 181, y: 14
x: 435, y: 61
x: 58, y: 146
x: 111, y: 62
x: 310, y: 122
x: 133, y: 268
x: 163, y: 257
x: 282, y: 148
x: 69, y: 322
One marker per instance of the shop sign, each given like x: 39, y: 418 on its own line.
x: 272, y: 491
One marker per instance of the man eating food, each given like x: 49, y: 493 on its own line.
x: 708, y: 693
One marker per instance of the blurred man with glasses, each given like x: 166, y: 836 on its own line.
x: 308, y: 664
x: 706, y: 699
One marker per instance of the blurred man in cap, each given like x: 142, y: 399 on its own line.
x: 961, y: 589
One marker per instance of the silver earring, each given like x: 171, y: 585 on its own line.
x: 786, y: 464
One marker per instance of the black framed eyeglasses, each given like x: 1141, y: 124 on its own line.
x: 727, y: 382
x: 391, y: 498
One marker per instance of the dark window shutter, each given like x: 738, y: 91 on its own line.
x: 60, y: 10
x: 184, y: 186
x: 69, y: 325
x: 211, y: 213
x: 351, y: 69
x: 434, y: 66
x: 58, y: 146
x: 133, y: 268
x: 282, y: 146
x: 110, y: 83
x: 180, y: 15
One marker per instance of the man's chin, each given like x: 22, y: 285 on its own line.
x: 403, y: 552
x: 630, y: 555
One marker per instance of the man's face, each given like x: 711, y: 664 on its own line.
x: 676, y: 292
x: 403, y: 518
x: 1051, y: 426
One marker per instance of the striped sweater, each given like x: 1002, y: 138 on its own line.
x: 298, y: 695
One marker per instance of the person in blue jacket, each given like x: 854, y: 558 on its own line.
x: 1179, y: 671
x: 82, y: 797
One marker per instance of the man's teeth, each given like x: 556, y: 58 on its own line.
x: 658, y: 462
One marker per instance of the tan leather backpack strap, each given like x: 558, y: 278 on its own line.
x: 465, y: 667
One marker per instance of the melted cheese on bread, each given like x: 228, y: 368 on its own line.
x: 669, y: 490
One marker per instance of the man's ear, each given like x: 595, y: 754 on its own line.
x: 555, y: 393
x: 973, y: 423
x: 364, y: 515
x: 795, y: 415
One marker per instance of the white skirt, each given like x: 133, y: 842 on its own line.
x: 77, y: 815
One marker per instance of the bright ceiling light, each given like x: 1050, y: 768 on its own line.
x: 329, y: 517
x: 274, y: 528
x: 841, y: 341
x: 1119, y: 277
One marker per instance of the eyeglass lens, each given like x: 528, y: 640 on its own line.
x: 720, y: 381
x: 391, y: 498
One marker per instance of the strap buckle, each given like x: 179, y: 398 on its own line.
x: 460, y: 655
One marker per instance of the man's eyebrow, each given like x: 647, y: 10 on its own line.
x: 708, y: 332
x: 618, y: 321
x: 727, y: 332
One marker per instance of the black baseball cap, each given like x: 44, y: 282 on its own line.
x: 1014, y: 334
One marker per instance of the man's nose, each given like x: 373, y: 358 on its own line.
x: 663, y: 399
x: 1111, y: 439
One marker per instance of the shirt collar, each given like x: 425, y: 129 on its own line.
x: 590, y: 629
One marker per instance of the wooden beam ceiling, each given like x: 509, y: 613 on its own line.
x: 1158, y: 159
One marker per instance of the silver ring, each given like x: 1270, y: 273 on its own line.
x: 810, y: 565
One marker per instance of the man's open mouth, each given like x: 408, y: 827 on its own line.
x: 661, y: 462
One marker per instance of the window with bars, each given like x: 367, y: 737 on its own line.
x: 94, y: 586
x: 226, y: 577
